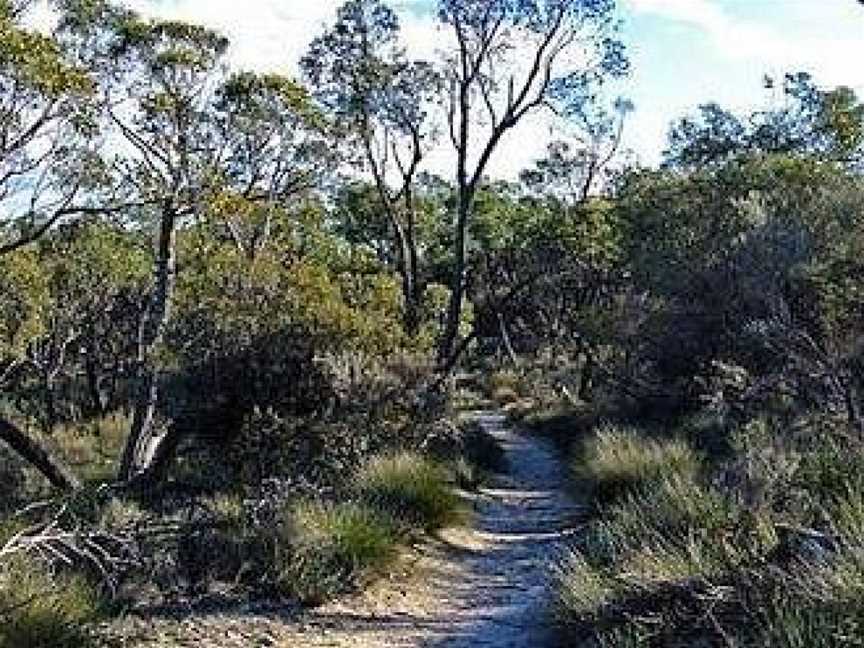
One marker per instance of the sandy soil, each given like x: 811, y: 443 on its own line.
x: 487, y: 586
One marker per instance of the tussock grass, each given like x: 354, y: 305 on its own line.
x: 41, y: 610
x: 847, y: 515
x: 412, y: 489
x: 582, y: 590
x: 332, y: 547
x: 618, y: 459
x: 762, y: 547
x: 675, y: 511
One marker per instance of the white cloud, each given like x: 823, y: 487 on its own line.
x: 266, y: 35
x: 834, y: 54
x: 272, y: 35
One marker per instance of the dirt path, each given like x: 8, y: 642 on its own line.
x: 484, y: 587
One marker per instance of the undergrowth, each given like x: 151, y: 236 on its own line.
x: 760, y: 546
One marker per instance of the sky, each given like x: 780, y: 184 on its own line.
x: 683, y: 53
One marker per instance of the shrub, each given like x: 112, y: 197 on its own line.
x: 330, y: 547
x: 38, y: 610
x: 504, y: 386
x: 619, y: 459
x: 504, y: 395
x: 410, y: 488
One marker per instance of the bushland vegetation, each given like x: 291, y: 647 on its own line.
x: 231, y: 307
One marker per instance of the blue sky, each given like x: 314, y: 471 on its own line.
x: 683, y: 52
x: 687, y: 52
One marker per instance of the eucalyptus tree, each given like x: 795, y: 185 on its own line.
x: 156, y: 92
x: 803, y: 119
x: 192, y: 143
x: 48, y: 140
x: 513, y: 58
x: 48, y: 160
x: 270, y: 152
x: 575, y: 169
x: 381, y: 101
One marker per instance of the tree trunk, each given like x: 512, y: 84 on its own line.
x: 414, y: 299
x: 140, y: 449
x: 40, y: 457
x: 457, y: 284
x: 97, y: 401
x: 505, y: 338
x: 408, y: 270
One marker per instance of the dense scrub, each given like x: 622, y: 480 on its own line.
x: 759, y: 549
x: 232, y: 305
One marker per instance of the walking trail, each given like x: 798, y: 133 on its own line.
x: 487, y: 586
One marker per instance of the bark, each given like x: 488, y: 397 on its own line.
x: 457, y: 285
x: 97, y: 401
x: 414, y: 291
x: 139, y: 453
x: 505, y: 338
x: 40, y: 457
x: 410, y: 281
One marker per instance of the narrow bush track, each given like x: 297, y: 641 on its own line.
x: 485, y: 586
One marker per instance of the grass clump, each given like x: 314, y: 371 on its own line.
x: 410, y: 488
x: 333, y: 547
x: 673, y: 512
x: 761, y: 546
x: 504, y: 386
x: 42, y: 610
x: 617, y: 459
x: 582, y: 589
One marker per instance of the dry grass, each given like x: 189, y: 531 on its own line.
x: 331, y: 547
x: 412, y: 489
x: 617, y: 459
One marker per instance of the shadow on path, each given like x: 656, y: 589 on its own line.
x: 486, y: 587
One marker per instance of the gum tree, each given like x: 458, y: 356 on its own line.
x: 47, y: 162
x: 382, y: 101
x: 513, y: 58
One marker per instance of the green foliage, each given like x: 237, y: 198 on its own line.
x: 36, y: 62
x: 41, y: 610
x: 619, y: 459
x: 24, y: 300
x: 331, y: 546
x: 238, y: 298
x: 823, y: 124
x: 413, y: 490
